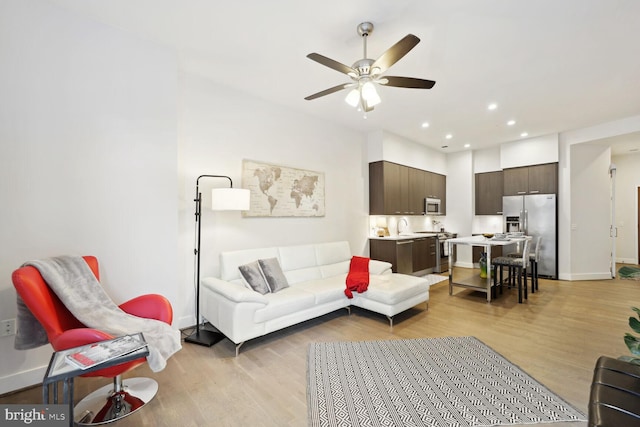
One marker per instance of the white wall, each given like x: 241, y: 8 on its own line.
x: 394, y: 148
x: 590, y: 207
x: 532, y: 151
x: 220, y: 127
x: 87, y: 159
x: 460, y: 184
x: 627, y: 184
x: 486, y: 160
x: 568, y: 238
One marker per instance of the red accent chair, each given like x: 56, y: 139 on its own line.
x: 65, y: 331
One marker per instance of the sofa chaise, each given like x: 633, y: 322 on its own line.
x: 316, y: 277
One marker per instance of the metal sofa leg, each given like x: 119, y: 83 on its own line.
x: 238, y: 347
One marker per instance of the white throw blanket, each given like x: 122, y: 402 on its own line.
x: 75, y: 284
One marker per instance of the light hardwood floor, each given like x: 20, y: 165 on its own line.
x: 556, y: 337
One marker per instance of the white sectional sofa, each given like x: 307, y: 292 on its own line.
x: 316, y: 275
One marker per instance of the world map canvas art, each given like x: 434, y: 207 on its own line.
x: 279, y: 191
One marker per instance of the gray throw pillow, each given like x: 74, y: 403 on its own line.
x: 273, y: 274
x: 253, y: 275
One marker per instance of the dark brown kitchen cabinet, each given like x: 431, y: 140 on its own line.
x: 388, y: 189
x: 489, y: 189
x: 397, y: 252
x: 417, y: 191
x: 536, y: 179
x: 424, y: 253
x: 386, y: 195
x: 543, y: 179
x: 401, y: 190
x: 406, y: 256
x: 439, y: 190
x: 431, y: 253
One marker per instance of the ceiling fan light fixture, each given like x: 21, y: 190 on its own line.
x: 366, y: 71
x: 353, y: 97
x: 370, y: 94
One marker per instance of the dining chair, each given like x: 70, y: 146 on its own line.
x: 517, y: 269
x: 534, y: 258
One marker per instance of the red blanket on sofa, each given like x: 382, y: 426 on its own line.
x: 358, y: 277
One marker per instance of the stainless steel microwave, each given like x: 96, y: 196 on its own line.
x: 432, y: 206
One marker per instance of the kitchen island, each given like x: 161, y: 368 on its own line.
x: 476, y: 282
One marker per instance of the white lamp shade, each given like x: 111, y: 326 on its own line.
x: 381, y: 222
x: 353, y: 98
x: 370, y: 94
x: 230, y: 199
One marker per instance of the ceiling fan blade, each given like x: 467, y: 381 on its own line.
x: 328, y: 62
x: 408, y: 82
x: 328, y: 91
x: 395, y: 52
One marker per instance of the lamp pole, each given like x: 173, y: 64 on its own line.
x: 202, y: 336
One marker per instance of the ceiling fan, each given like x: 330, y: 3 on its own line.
x: 365, y: 73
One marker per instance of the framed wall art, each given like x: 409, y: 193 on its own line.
x: 280, y: 191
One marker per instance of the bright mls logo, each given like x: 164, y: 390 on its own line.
x: 34, y: 415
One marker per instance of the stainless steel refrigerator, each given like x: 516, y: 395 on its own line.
x: 535, y: 215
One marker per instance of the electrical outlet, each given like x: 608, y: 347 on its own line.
x: 7, y: 327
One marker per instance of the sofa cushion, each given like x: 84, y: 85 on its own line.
x: 287, y: 301
x: 391, y: 289
x: 230, y: 261
x: 331, y: 270
x: 297, y: 257
x: 326, y: 289
x: 253, y: 275
x: 303, y: 275
x: 299, y: 263
x: 332, y: 252
x: 273, y: 274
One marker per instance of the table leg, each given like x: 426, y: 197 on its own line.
x: 450, y: 267
x: 488, y: 273
x: 67, y: 390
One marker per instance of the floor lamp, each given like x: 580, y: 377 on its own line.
x: 222, y: 199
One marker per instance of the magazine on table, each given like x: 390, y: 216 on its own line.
x: 103, y: 351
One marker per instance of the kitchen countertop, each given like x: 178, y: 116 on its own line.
x: 404, y: 236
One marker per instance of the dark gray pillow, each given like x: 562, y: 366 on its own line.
x: 273, y: 274
x: 253, y: 275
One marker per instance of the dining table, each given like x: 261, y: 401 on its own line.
x: 474, y: 282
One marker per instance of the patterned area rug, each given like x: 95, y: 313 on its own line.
x: 424, y: 382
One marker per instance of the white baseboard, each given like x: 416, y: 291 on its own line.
x: 586, y: 276
x: 184, y: 322
x: 463, y: 264
x: 23, y: 379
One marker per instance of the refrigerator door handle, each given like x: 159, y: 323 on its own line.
x: 526, y: 222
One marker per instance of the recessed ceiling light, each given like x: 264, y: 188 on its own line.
x: 492, y: 106
x: 511, y: 122
x: 425, y: 125
x: 467, y: 145
x: 523, y: 134
x: 448, y: 136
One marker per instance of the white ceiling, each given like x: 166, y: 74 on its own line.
x: 551, y: 65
